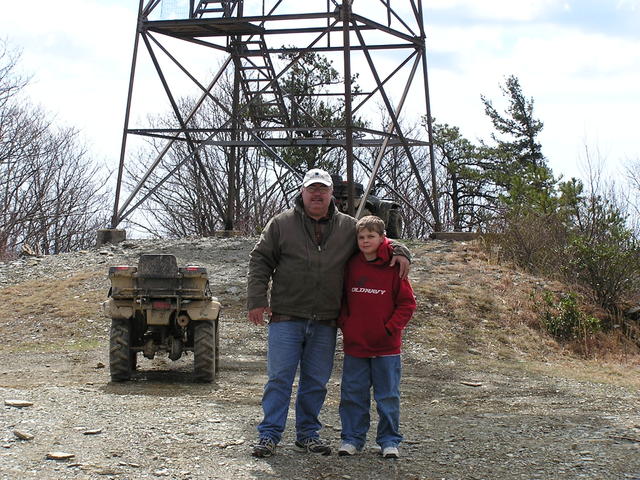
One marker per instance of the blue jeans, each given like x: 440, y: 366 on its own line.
x: 297, y: 343
x: 358, y: 376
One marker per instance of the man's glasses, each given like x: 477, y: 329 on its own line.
x: 318, y: 189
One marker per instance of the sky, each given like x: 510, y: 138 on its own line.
x: 579, y: 60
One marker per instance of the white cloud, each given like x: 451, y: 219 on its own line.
x: 78, y: 53
x: 522, y: 10
x: 584, y: 84
x: 628, y: 4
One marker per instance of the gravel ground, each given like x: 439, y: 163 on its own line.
x: 465, y: 414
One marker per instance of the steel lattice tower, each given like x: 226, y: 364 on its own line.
x: 388, y: 42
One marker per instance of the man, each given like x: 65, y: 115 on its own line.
x: 303, y: 252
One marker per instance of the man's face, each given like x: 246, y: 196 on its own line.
x: 316, y: 199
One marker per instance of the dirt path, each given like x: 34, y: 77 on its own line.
x: 466, y: 414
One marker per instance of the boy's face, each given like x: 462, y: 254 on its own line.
x: 369, y: 241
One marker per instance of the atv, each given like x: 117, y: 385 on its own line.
x: 158, y: 307
x: 387, y: 210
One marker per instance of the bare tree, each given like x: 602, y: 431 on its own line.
x: 10, y: 81
x: 49, y: 189
x: 193, y: 200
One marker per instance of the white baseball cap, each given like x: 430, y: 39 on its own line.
x: 316, y: 175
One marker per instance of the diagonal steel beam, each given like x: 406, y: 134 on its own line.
x: 392, y: 12
x: 379, y: 26
x: 399, y: 195
x: 120, y: 215
x: 389, y: 77
x: 390, y: 128
x: 396, y: 124
x: 417, y: 13
x: 150, y: 7
x: 183, y: 125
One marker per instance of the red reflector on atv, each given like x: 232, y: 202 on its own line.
x: 122, y: 270
x: 161, y: 305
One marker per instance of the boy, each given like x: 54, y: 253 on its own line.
x: 377, y: 306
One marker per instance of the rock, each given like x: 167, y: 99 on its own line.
x: 59, y: 456
x: 471, y: 384
x: 229, y: 443
x: 28, y: 251
x: 23, y: 435
x: 233, y: 290
x: 18, y: 403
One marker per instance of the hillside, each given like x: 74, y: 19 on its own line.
x: 485, y: 393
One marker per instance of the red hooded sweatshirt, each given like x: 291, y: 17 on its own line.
x: 377, y: 305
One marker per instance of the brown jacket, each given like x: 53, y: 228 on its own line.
x: 306, y: 278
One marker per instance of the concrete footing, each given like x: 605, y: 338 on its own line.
x: 110, y: 235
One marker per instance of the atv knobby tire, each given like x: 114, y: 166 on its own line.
x: 394, y: 224
x: 120, y: 361
x: 204, y: 351
x: 134, y: 360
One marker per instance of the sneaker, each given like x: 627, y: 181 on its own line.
x: 264, y: 448
x: 313, y: 445
x: 346, y: 449
x: 390, y: 452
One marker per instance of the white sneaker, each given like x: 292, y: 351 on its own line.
x: 390, y: 452
x: 346, y: 449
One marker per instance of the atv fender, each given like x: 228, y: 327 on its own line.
x: 111, y: 309
x: 203, y: 310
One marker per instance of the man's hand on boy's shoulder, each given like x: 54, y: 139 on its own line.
x: 402, y: 255
x: 403, y: 264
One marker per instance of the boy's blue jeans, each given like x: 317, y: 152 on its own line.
x: 310, y: 345
x: 358, y: 376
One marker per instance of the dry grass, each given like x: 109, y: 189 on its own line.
x: 623, y: 373
x: 468, y: 302
x: 66, y: 298
x: 44, y: 311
